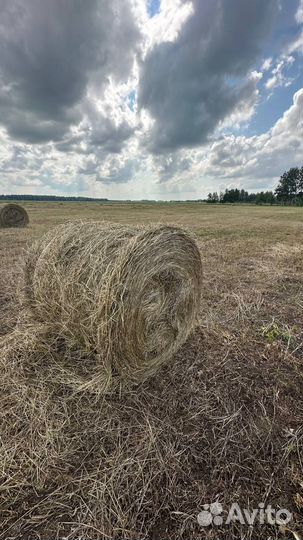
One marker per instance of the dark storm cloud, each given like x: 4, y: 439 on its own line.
x: 120, y: 174
x: 169, y: 165
x: 101, y: 133
x: 190, y: 85
x: 50, y: 51
x: 104, y: 133
x: 73, y: 144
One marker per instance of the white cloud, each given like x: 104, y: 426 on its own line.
x: 245, y: 109
x: 278, y: 77
x: 299, y: 13
x: 259, y: 160
x: 166, y: 25
x: 297, y: 45
x: 266, y: 64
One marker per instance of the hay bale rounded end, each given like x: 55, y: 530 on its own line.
x: 129, y: 294
x: 13, y: 215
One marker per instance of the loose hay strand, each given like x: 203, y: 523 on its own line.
x: 13, y: 215
x: 127, y: 296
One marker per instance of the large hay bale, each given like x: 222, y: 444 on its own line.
x: 13, y: 215
x: 129, y: 296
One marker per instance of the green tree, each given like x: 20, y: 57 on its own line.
x: 265, y: 197
x: 290, y: 186
x: 300, y: 183
x: 212, y: 197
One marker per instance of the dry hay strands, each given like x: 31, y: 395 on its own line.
x: 129, y: 296
x: 24, y: 347
x: 13, y: 215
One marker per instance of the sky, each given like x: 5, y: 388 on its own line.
x: 149, y: 99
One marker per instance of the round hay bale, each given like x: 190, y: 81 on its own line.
x: 128, y: 295
x: 13, y: 215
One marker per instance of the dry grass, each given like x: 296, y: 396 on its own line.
x: 13, y: 215
x: 223, y: 421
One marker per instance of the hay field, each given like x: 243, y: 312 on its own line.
x: 248, y: 253
x: 248, y: 353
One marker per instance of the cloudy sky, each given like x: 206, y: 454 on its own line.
x: 155, y: 99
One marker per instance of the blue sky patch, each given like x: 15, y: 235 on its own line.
x: 153, y: 7
x: 131, y: 100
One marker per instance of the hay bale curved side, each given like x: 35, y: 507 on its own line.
x: 13, y: 215
x: 130, y: 295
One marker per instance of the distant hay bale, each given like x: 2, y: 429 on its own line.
x: 13, y: 215
x: 129, y: 296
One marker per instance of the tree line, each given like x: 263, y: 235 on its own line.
x: 53, y: 198
x: 242, y: 196
x: 288, y: 191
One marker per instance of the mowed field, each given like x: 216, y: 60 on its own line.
x: 251, y: 329
x: 252, y: 257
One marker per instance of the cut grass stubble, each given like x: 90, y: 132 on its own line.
x: 222, y: 421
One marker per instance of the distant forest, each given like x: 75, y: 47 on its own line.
x: 242, y: 196
x: 47, y: 198
x: 289, y: 191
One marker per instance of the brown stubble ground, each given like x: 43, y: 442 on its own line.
x: 251, y: 320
